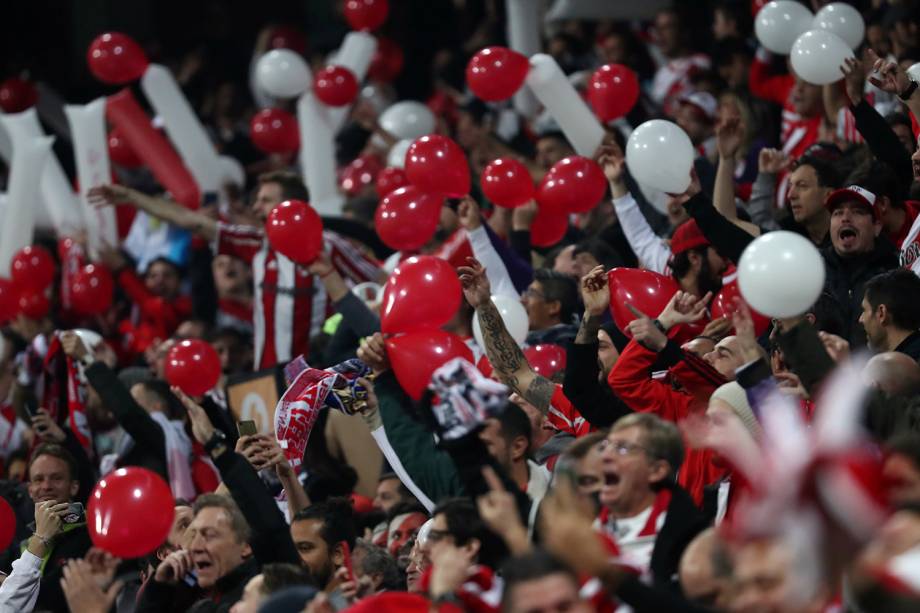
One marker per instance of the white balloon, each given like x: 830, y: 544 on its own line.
x: 779, y: 23
x: 90, y: 338
x: 817, y: 56
x: 659, y: 154
x: 397, y: 155
x: 408, y: 120
x: 844, y: 21
x: 283, y: 74
x: 781, y: 274
x: 513, y: 314
x: 914, y: 72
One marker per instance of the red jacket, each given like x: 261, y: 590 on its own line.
x: 686, y: 391
x: 157, y: 318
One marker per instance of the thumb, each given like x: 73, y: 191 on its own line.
x: 112, y: 593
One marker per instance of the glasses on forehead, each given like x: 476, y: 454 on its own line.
x: 621, y: 448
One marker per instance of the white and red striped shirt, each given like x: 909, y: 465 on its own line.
x: 290, y: 304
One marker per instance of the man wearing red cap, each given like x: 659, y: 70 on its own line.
x: 856, y: 253
x: 694, y: 263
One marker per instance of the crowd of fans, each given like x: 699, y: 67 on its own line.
x: 648, y: 471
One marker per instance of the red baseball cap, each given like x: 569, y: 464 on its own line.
x: 852, y: 193
x: 687, y: 236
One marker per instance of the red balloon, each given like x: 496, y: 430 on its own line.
x: 496, y: 73
x: 274, y: 131
x: 390, y: 179
x: 295, y: 230
x: 612, y: 91
x: 115, y: 58
x: 387, y: 61
x: 548, y: 228
x: 120, y: 151
x: 9, y: 301
x: 17, y: 95
x: 32, y: 268
x: 335, y: 86
x: 423, y: 292
x: 34, y: 304
x: 287, y: 37
x: 407, y: 218
x: 366, y: 15
x: 648, y: 291
x: 7, y: 524
x: 91, y: 290
x: 507, y: 182
x: 546, y: 359
x: 416, y: 355
x: 361, y: 172
x: 723, y: 305
x: 130, y: 512
x: 438, y: 165
x: 193, y: 366
x: 573, y: 185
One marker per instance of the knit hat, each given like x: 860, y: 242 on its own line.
x: 687, y: 236
x: 619, y: 339
x: 734, y: 396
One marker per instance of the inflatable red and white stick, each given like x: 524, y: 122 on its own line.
x: 30, y: 160
x: 90, y: 148
x: 57, y: 196
x: 355, y: 54
x: 317, y: 155
x: 575, y: 119
x: 184, y: 128
x: 124, y: 113
x: 523, y: 17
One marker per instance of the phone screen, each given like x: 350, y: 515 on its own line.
x: 247, y: 427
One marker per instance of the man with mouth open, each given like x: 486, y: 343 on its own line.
x: 856, y: 254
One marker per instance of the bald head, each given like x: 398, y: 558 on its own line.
x: 894, y: 373
x: 705, y: 570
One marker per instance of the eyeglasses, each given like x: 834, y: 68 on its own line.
x: 621, y: 448
x: 532, y: 293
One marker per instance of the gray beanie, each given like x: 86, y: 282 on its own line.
x: 734, y: 396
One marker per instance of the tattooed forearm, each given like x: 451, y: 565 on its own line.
x: 587, y: 333
x: 539, y: 393
x: 506, y: 357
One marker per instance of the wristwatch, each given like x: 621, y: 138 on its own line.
x: 909, y: 91
x: 217, y: 440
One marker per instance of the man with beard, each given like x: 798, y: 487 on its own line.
x: 856, y: 254
x: 321, y: 533
x: 889, y: 315
x: 291, y: 304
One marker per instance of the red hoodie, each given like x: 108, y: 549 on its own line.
x: 686, y: 391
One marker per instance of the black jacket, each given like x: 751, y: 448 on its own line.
x: 591, y: 396
x: 911, y: 346
x: 71, y: 544
x: 683, y: 522
x: 846, y: 280
x: 157, y: 597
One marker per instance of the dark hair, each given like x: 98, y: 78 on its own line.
x: 514, y: 423
x: 377, y: 561
x: 725, y: 50
x: 899, y: 291
x: 338, y: 520
x: 680, y: 267
x: 880, y: 179
x: 606, y: 255
x: 898, y: 119
x: 292, y: 187
x: 554, y: 134
x: 825, y: 170
x: 165, y: 260
x: 404, y: 492
x: 826, y: 311
x: 738, y: 12
x: 158, y: 388
x: 661, y: 439
x: 559, y: 287
x: 238, y: 523
x: 465, y: 524
x: 59, y: 452
x: 278, y: 576
x: 530, y: 567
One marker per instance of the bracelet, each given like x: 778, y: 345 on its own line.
x: 907, y: 93
x: 45, y: 542
x: 660, y: 326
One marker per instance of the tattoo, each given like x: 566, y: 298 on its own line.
x: 539, y: 393
x: 587, y: 332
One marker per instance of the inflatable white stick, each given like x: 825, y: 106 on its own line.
x: 355, y: 54
x: 183, y: 127
x: 30, y: 157
x: 523, y: 17
x: 575, y: 119
x: 59, y: 200
x: 91, y: 151
x: 317, y: 155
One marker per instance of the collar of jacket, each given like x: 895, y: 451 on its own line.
x: 884, y: 250
x: 236, y: 579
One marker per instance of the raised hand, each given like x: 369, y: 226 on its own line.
x: 499, y: 511
x: 83, y: 592
x: 644, y: 331
x: 612, y: 161
x: 683, y: 308
x: 729, y: 134
x: 468, y: 211
x: 594, y: 291
x: 47, y: 429
x: 202, y: 427
x: 838, y: 348
x: 743, y: 323
x: 110, y: 195
x: 72, y: 344
x: 771, y: 161
x: 475, y: 283
x: 373, y: 352
x: 890, y: 76
x: 854, y: 78
x: 174, y: 567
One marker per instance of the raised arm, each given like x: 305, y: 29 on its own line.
x: 167, y: 210
x: 507, y: 359
x: 729, y: 134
